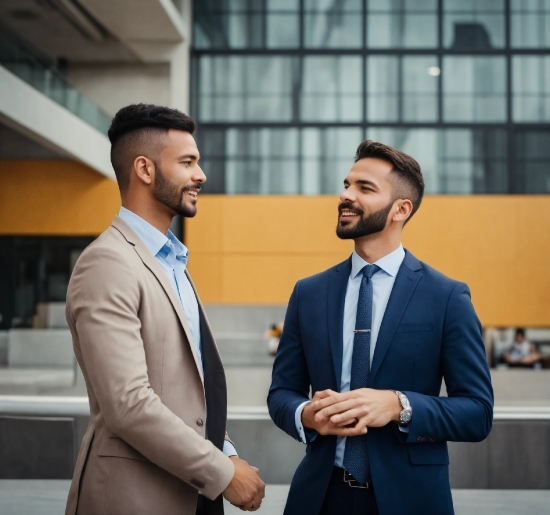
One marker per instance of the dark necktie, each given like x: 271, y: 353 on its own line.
x: 356, y: 458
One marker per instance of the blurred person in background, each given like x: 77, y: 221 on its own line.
x: 522, y: 353
x: 372, y: 338
x: 156, y: 442
x: 273, y: 335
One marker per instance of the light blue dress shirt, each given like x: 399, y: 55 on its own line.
x: 172, y: 255
x: 382, y: 284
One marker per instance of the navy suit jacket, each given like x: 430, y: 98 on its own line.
x: 429, y: 332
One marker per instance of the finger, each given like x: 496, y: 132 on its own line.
x: 338, y: 407
x: 323, y: 394
x: 255, y: 469
x: 319, y: 404
x: 350, y: 431
x: 346, y: 417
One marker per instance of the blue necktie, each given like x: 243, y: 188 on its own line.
x: 356, y: 458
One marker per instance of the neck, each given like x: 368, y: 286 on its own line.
x: 159, y: 218
x: 373, y: 247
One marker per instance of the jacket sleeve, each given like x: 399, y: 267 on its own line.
x: 103, y: 303
x: 467, y: 413
x: 290, y: 384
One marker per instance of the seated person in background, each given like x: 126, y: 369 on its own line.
x: 522, y: 352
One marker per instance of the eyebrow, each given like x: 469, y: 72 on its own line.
x: 362, y: 181
x: 188, y: 156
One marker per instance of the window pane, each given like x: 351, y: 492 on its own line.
x: 262, y: 161
x: 246, y: 88
x: 402, y: 89
x: 531, y: 87
x: 473, y: 24
x: 532, y: 162
x: 474, y: 89
x: 283, y: 31
x: 402, y: 24
x: 332, y: 89
x: 420, y: 88
x: 329, y: 24
x: 383, y: 88
x: 327, y: 156
x: 530, y: 20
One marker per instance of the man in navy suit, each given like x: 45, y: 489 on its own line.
x: 372, y: 338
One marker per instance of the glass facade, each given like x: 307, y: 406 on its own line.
x: 285, y: 90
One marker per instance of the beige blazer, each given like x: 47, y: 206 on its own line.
x: 144, y: 451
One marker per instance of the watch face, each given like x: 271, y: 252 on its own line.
x: 405, y: 416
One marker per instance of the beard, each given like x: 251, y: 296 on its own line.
x: 171, y: 196
x: 375, y: 222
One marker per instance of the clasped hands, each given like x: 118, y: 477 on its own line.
x: 246, y: 490
x: 350, y: 413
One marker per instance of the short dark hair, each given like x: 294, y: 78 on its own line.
x: 138, y: 128
x: 405, y: 168
x: 520, y: 332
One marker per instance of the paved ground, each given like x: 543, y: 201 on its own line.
x: 48, y: 498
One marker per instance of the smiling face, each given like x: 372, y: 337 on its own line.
x: 367, y: 200
x: 178, y: 176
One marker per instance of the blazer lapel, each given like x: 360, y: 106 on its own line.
x: 337, y: 287
x: 405, y: 283
x: 153, y: 265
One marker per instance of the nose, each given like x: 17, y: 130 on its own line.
x: 347, y: 196
x: 199, y: 175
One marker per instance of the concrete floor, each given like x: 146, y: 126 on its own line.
x: 38, y: 497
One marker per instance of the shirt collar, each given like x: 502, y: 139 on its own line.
x: 390, y: 263
x: 153, y: 239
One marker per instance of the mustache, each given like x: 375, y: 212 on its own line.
x: 350, y: 207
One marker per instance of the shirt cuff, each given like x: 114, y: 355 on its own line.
x: 404, y: 429
x: 229, y: 449
x: 311, y: 435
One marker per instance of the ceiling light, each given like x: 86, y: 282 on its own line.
x: 434, y: 71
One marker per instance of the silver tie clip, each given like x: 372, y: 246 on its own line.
x: 361, y: 331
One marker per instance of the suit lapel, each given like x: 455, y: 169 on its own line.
x: 153, y: 265
x: 337, y: 287
x: 405, y: 283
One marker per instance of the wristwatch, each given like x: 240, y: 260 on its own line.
x: 406, y: 413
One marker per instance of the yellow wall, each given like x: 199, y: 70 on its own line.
x: 252, y: 249
x: 52, y: 197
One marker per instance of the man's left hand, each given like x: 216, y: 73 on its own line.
x: 364, y: 407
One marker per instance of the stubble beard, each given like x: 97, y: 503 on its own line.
x: 372, y: 224
x: 171, y: 196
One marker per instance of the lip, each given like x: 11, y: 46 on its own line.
x: 347, y: 214
x: 193, y: 193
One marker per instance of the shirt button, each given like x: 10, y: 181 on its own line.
x: 200, y: 422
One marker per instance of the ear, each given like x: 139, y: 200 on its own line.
x: 144, y: 170
x: 404, y: 210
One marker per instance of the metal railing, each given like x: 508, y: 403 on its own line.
x: 49, y: 80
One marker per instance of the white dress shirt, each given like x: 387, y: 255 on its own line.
x: 382, y: 284
x: 172, y: 255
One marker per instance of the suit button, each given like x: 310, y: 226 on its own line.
x: 200, y: 422
x: 419, y: 438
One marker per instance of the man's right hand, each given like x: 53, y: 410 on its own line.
x: 246, y: 489
x: 323, y: 425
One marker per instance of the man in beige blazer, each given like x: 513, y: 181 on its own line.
x: 156, y: 443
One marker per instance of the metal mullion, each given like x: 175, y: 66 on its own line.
x: 440, y: 61
x: 364, y: 66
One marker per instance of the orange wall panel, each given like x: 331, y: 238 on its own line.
x: 55, y: 197
x: 252, y: 249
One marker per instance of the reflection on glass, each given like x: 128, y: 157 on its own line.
x: 234, y: 88
x: 333, y: 24
x: 262, y: 161
x: 402, y: 88
x: 530, y: 21
x: 383, y: 88
x: 474, y: 89
x: 453, y: 161
x: 402, y: 24
x: 327, y: 156
x: 242, y: 24
x: 532, y: 156
x: 473, y: 24
x: 531, y: 87
x: 332, y: 89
